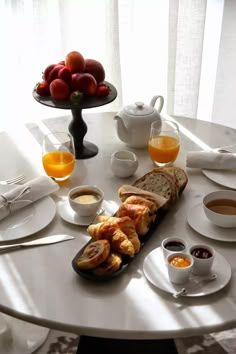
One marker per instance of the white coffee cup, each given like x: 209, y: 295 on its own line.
x: 86, y: 200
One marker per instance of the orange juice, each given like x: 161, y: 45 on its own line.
x: 59, y: 164
x: 163, y: 149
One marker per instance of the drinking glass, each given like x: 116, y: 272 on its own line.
x: 164, y: 142
x: 58, y: 155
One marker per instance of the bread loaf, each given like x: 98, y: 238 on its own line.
x: 161, y: 183
x: 178, y: 173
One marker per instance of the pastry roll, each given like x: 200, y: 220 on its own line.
x: 111, y: 265
x: 110, y: 231
x: 94, y: 254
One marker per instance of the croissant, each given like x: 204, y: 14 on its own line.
x: 110, y: 231
x: 127, y: 226
x: 140, y: 214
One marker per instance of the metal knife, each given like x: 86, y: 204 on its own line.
x: 47, y: 240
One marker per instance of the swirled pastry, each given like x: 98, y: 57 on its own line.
x: 111, y: 265
x: 94, y: 254
x: 110, y: 231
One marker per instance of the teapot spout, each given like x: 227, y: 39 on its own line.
x: 161, y: 102
x: 122, y: 130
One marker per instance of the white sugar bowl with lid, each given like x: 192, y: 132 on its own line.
x: 134, y: 122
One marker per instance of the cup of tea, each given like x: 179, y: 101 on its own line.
x: 164, y: 142
x: 58, y: 155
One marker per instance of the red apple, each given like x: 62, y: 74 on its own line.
x: 95, y: 68
x: 54, y: 73
x: 65, y: 74
x: 47, y: 71
x: 74, y: 83
x: 87, y: 84
x: 59, y: 90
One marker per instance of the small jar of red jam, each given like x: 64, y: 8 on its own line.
x: 203, y: 256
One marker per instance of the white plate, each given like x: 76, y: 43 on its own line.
x: 200, y: 223
x: 68, y: 214
x: 155, y: 270
x: 225, y: 178
x: 28, y: 220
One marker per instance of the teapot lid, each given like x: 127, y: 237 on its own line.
x: 138, y: 109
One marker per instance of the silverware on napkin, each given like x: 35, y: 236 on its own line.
x: 47, y: 240
x: 201, y: 282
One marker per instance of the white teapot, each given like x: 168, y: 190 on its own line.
x: 134, y: 122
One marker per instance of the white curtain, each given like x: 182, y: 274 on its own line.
x: 184, y: 50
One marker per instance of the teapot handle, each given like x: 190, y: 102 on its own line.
x: 161, y: 103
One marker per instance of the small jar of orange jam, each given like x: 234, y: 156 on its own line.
x: 180, y: 261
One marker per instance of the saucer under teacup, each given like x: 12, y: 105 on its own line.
x: 68, y: 214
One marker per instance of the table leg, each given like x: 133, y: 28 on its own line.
x: 78, y: 129
x: 116, y: 346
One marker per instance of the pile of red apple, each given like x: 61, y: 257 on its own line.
x: 73, y: 78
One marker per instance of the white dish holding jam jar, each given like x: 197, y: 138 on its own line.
x: 156, y: 272
x: 220, y: 208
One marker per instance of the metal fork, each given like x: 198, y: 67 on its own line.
x: 14, y: 180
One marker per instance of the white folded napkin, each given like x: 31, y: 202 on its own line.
x: 211, y: 160
x: 26, y: 194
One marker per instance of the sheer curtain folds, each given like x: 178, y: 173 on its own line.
x: 184, y: 50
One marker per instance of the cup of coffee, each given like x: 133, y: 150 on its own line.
x: 86, y: 200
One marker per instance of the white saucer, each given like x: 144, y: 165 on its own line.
x: 155, y: 270
x: 28, y: 220
x: 68, y: 214
x: 199, y: 222
x: 226, y: 178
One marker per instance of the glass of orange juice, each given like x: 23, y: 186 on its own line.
x: 164, y: 142
x: 58, y: 155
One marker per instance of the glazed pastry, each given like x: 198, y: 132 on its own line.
x: 94, y: 254
x: 140, y: 214
x: 110, y: 231
x: 133, y: 199
x: 127, y: 226
x: 111, y: 265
